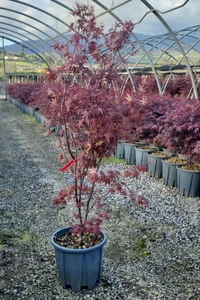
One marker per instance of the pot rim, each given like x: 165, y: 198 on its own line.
x: 184, y: 170
x: 158, y: 156
x: 74, y: 251
x: 152, y: 149
x: 164, y: 159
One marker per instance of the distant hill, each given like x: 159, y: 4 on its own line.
x: 15, y: 48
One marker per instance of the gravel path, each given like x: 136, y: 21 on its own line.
x: 152, y: 252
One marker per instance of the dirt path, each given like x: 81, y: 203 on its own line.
x: 28, y: 176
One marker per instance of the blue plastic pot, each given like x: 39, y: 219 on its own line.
x: 188, y: 182
x: 78, y: 268
x: 27, y: 109
x: 169, y: 171
x: 155, y: 164
x: 120, y: 150
x: 141, y: 155
x: 39, y: 117
x: 129, y: 150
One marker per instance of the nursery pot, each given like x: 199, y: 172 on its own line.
x: 129, y: 153
x: 188, y: 182
x: 39, y: 117
x: 155, y: 163
x: 169, y: 172
x: 27, y: 109
x: 78, y: 268
x: 141, y: 154
x: 120, y: 150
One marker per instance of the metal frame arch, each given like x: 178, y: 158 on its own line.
x: 37, y: 20
x: 7, y: 29
x: 15, y: 41
x: 156, y: 13
x: 63, y: 5
x: 192, y: 29
x: 145, y: 43
x: 179, y: 38
x: 21, y: 34
x: 166, y: 37
x: 186, y: 52
x: 151, y: 48
x: 136, y: 38
x: 29, y: 25
x: 28, y: 16
x: 181, y: 34
x: 160, y: 39
x: 164, y: 52
x: 23, y: 29
x: 40, y: 10
x: 117, y: 18
x: 51, y: 54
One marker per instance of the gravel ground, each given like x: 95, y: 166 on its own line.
x: 151, y: 253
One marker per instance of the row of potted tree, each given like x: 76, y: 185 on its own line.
x: 173, y: 124
x: 164, y: 122
x: 176, y: 171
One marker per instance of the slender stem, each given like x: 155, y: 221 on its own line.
x: 77, y: 197
x: 89, y: 200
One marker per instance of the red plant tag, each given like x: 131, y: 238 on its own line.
x: 67, y: 165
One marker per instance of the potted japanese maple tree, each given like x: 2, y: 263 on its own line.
x: 88, y: 104
x: 150, y: 130
x: 182, y: 136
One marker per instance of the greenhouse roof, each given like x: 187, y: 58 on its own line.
x: 164, y: 41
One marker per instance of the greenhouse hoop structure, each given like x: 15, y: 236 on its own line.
x: 35, y: 26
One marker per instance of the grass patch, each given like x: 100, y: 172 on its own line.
x: 113, y: 160
x: 24, y: 238
x: 140, y: 248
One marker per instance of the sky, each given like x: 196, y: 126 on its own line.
x: 179, y: 19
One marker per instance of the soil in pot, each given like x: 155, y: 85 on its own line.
x: 78, y: 241
x: 160, y: 154
x: 176, y: 160
x: 147, y: 148
x: 191, y: 167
